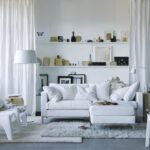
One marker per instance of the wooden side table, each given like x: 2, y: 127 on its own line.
x: 146, y: 105
x: 147, y: 131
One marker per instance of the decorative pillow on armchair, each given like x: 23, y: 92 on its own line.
x: 53, y: 94
x: 86, y: 93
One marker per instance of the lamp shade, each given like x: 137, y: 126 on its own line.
x: 25, y: 57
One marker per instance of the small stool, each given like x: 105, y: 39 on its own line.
x: 147, y: 131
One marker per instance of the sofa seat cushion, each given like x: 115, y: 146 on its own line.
x: 122, y: 109
x: 132, y: 103
x: 69, y: 105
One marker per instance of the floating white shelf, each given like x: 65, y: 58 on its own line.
x: 84, y: 67
x: 92, y: 43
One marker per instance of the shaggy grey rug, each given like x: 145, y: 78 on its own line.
x: 32, y: 134
x: 69, y: 131
x: 84, y: 130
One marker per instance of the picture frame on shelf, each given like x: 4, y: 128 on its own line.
x: 78, y: 78
x: 122, y: 61
x: 65, y: 80
x: 102, y: 54
x: 43, y: 81
x: 108, y: 35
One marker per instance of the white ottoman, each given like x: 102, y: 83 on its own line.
x: 112, y: 114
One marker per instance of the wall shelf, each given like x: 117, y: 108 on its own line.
x: 90, y: 43
x: 84, y: 67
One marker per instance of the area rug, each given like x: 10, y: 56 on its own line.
x: 32, y: 134
x: 69, y: 131
x: 84, y: 130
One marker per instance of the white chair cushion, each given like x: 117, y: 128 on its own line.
x: 118, y: 94
x: 68, y: 91
x: 102, y: 91
x: 53, y: 94
x: 69, y: 105
x: 124, y: 109
x: 130, y: 94
x: 86, y: 93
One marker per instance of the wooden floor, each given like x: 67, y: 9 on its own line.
x: 88, y: 144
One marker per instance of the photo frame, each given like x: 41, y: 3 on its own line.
x: 102, y: 54
x: 122, y: 61
x: 43, y: 81
x: 108, y: 35
x: 65, y: 79
x: 78, y: 78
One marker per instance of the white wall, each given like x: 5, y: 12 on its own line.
x: 88, y: 18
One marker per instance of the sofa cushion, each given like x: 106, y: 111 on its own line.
x: 123, y: 109
x: 86, y: 93
x: 69, y: 105
x: 102, y: 91
x: 68, y: 91
x: 130, y: 94
x: 53, y: 94
x: 118, y: 94
x: 132, y: 103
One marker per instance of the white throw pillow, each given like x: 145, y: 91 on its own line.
x: 118, y: 94
x: 86, y: 93
x: 130, y: 94
x: 102, y: 91
x: 53, y: 94
x: 68, y: 91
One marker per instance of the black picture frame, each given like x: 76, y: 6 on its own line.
x: 78, y: 78
x: 122, y: 61
x: 43, y: 80
x: 65, y: 80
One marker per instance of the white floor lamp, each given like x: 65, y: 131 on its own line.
x: 25, y: 57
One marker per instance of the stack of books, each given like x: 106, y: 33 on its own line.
x: 16, y: 99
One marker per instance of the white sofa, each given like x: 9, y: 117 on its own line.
x: 75, y: 104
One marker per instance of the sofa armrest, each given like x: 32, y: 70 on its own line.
x: 139, y: 100
x: 44, y: 99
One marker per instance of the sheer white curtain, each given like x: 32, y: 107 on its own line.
x: 17, y: 32
x: 140, y: 41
